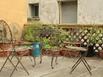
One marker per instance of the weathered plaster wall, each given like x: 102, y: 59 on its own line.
x: 49, y: 11
x: 33, y: 1
x: 14, y: 11
x: 90, y: 11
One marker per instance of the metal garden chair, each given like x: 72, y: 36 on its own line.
x: 7, y: 40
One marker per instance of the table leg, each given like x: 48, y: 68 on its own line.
x: 86, y: 63
x: 56, y: 60
x: 78, y: 61
x: 75, y: 65
x: 86, y: 66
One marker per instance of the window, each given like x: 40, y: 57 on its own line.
x: 68, y: 11
x: 34, y: 10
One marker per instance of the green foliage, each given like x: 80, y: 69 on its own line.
x: 49, y: 35
x: 96, y: 35
x: 32, y: 32
x: 46, y: 43
x: 58, y: 37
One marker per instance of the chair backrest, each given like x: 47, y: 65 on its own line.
x: 5, y: 34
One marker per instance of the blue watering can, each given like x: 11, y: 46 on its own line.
x: 36, y: 49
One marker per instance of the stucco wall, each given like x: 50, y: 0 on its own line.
x: 33, y: 1
x: 14, y: 11
x: 90, y: 11
x: 49, y: 11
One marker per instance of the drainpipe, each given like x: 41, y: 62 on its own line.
x: 59, y: 11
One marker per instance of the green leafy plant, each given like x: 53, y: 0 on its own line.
x: 49, y: 35
x: 96, y: 35
x: 46, y: 43
x: 32, y: 32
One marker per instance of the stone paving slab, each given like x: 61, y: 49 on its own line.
x: 60, y: 70
x: 65, y: 72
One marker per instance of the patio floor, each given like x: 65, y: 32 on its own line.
x: 61, y: 70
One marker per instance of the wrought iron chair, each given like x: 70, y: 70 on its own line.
x: 7, y: 40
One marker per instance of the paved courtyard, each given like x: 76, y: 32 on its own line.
x: 61, y: 70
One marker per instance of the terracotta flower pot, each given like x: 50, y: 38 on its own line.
x: 4, y: 53
x: 101, y: 54
x: 68, y: 53
x: 4, y: 50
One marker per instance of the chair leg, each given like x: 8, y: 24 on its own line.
x: 12, y: 63
x: 4, y: 63
x: 30, y: 58
x: 23, y: 66
x: 56, y: 60
x: 34, y: 64
x: 52, y: 62
x: 14, y: 68
x: 8, y: 58
x: 40, y: 59
x: 19, y: 62
x: 12, y: 57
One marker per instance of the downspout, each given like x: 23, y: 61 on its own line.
x: 59, y: 11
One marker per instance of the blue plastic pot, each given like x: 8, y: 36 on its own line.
x: 36, y: 49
